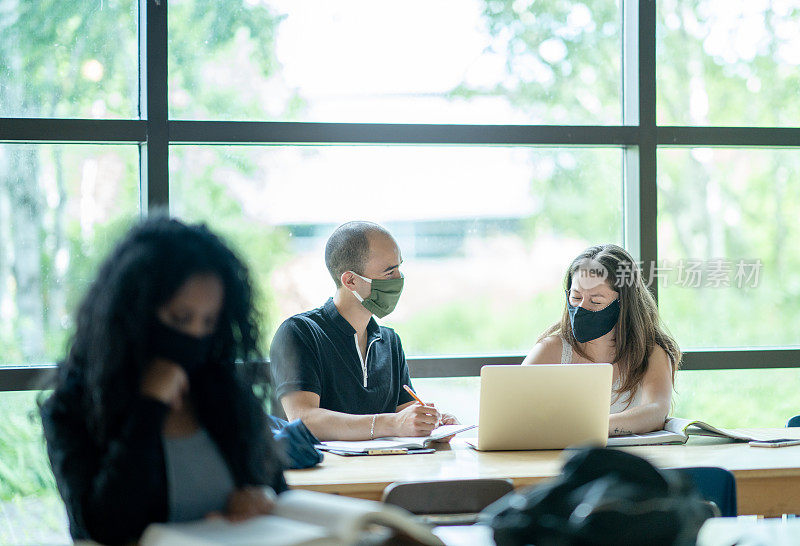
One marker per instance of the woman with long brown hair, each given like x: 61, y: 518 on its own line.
x: 610, y: 316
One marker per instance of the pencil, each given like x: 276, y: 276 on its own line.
x: 388, y: 451
x: 412, y: 393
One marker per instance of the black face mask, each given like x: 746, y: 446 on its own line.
x: 588, y: 325
x: 189, y: 352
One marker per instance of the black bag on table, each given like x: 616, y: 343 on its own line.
x: 602, y: 497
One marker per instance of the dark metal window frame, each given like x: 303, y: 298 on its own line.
x: 639, y: 137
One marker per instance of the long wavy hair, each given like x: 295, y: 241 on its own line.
x: 109, y: 351
x: 639, y: 328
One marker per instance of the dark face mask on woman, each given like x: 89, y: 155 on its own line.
x: 189, y: 352
x: 588, y: 325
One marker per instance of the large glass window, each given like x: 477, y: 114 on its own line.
x: 729, y: 272
x: 31, y: 512
x: 484, y: 232
x: 728, y: 63
x: 62, y: 207
x: 452, y: 61
x: 738, y: 398
x: 57, y: 60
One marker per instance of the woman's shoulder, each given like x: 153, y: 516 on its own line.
x: 659, y: 366
x: 554, y: 341
x: 546, y: 351
x: 658, y: 355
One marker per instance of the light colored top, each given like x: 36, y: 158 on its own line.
x: 199, y: 481
x: 619, y: 401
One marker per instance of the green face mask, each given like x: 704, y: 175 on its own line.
x: 383, y: 297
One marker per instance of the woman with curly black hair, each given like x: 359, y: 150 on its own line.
x: 151, y: 420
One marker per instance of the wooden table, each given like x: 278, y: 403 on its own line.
x: 727, y: 531
x: 767, y: 479
x: 715, y: 532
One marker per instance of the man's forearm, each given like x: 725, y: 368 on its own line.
x: 333, y: 425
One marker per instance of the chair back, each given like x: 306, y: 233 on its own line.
x: 715, y: 485
x: 468, y: 496
x: 794, y: 421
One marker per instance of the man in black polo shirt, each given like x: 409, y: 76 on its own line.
x: 335, y: 367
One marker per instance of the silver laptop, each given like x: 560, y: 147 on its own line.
x: 544, y: 406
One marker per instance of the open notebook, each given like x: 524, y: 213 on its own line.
x: 677, y: 431
x: 300, y: 518
x: 393, y: 442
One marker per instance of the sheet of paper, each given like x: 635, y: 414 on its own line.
x: 266, y: 530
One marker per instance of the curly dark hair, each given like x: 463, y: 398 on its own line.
x: 109, y: 351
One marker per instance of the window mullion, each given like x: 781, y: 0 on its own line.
x: 154, y: 152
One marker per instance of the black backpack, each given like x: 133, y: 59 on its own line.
x: 603, y: 496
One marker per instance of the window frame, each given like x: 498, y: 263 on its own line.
x: 638, y: 136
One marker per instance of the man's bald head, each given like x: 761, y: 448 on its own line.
x: 348, y: 248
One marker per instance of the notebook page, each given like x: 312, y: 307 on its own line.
x: 265, y: 530
x: 334, y: 512
x: 438, y: 433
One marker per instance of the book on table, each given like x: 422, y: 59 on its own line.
x: 393, y: 442
x: 299, y: 518
x: 677, y: 431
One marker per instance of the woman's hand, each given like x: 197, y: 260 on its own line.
x: 248, y: 502
x: 165, y: 381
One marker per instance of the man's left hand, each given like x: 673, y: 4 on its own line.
x: 448, y: 419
